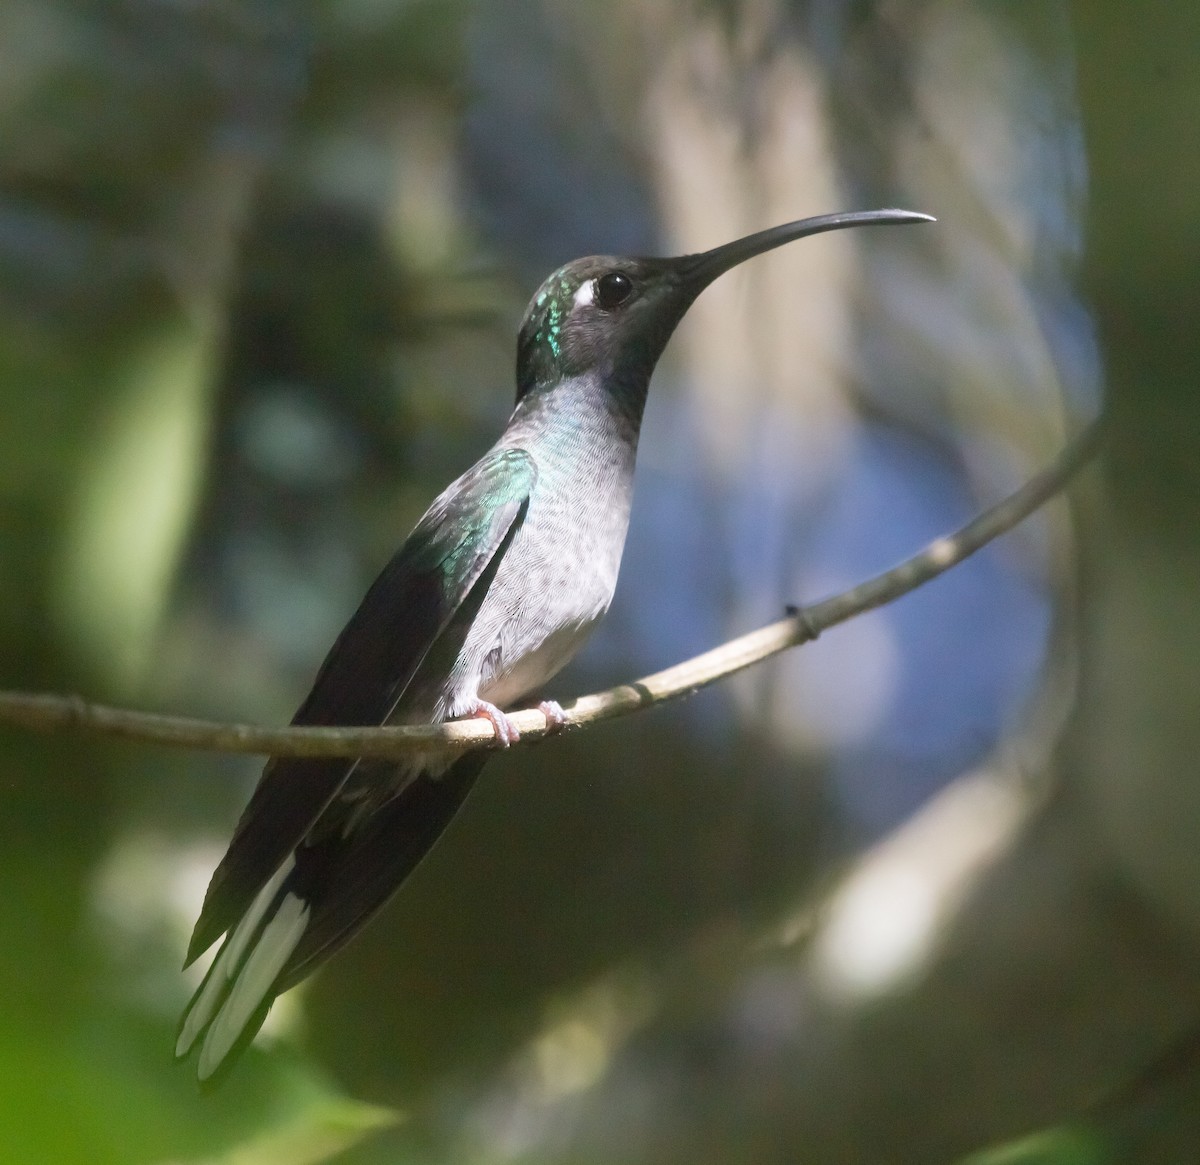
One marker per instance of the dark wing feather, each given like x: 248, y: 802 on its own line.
x: 346, y: 880
x: 365, y: 674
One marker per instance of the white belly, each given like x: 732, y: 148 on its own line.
x: 552, y: 589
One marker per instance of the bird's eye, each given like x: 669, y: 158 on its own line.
x: 612, y: 290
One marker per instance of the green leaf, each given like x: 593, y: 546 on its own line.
x: 1063, y: 1145
x: 316, y: 1135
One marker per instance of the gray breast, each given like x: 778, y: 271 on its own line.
x: 557, y: 579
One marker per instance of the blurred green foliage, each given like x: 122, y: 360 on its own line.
x: 1060, y: 1147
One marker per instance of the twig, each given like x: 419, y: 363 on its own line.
x: 51, y: 713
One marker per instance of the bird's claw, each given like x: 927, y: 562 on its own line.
x: 506, y: 731
x: 556, y: 718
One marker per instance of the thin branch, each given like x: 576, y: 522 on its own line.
x: 52, y: 713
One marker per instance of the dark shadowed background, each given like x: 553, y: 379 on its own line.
x: 926, y: 890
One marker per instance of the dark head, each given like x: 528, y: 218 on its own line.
x: 613, y: 317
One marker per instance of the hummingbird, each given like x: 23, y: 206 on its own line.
x: 497, y: 587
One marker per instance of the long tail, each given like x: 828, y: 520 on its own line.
x: 313, y: 904
x: 232, y: 1002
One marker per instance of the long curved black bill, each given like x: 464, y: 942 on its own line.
x: 698, y: 271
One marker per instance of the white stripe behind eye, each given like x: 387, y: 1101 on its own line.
x: 586, y: 293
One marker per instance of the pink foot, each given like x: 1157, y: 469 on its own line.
x: 505, y: 729
x: 555, y: 716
